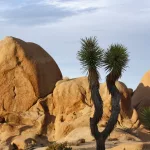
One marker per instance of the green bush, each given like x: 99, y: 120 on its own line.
x: 145, y: 117
x: 56, y: 146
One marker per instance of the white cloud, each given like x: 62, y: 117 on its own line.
x: 26, y: 13
x: 76, y: 5
x: 42, y: 12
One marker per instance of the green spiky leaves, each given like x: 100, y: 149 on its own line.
x: 115, y: 60
x: 145, y: 117
x: 91, y: 57
x: 90, y: 54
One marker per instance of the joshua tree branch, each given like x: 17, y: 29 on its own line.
x: 98, y: 104
x: 115, y: 103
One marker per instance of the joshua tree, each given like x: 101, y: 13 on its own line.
x: 114, y: 60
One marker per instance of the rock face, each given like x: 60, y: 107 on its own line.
x: 64, y: 112
x: 27, y: 73
x: 70, y: 107
x: 22, y: 128
x: 141, y: 96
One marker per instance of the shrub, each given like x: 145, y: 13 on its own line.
x: 145, y: 117
x: 57, y: 146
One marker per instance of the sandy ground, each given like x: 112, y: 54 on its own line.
x: 111, y: 146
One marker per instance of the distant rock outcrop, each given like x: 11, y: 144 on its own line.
x: 141, y: 96
x: 27, y: 73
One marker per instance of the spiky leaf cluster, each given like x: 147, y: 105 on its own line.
x: 115, y: 60
x: 145, y: 117
x: 90, y: 54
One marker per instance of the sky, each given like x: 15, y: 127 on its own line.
x: 59, y: 25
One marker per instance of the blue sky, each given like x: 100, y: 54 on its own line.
x: 58, y: 26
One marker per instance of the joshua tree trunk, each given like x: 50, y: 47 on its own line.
x: 101, y: 137
x: 98, y: 104
x: 100, y: 143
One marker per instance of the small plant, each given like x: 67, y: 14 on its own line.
x: 145, y: 117
x: 57, y: 146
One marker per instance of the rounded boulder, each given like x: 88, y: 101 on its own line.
x: 27, y: 73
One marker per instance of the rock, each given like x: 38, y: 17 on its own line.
x: 70, y: 106
x: 23, y: 143
x: 126, y: 112
x: 141, y: 96
x: 130, y: 91
x: 13, y: 147
x: 19, y: 143
x: 27, y: 72
x: 78, y: 134
x: 7, y: 132
x: 59, y: 115
x: 143, y: 134
x: 125, y: 96
x: 81, y: 141
x: 2, y: 119
x: 112, y: 139
x: 123, y: 135
x: 29, y: 125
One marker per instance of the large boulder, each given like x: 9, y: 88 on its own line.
x: 27, y: 72
x: 141, y: 96
x: 70, y: 107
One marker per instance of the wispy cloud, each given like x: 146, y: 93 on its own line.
x: 41, y: 12
x: 30, y: 13
x: 76, y: 5
x: 61, y: 23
